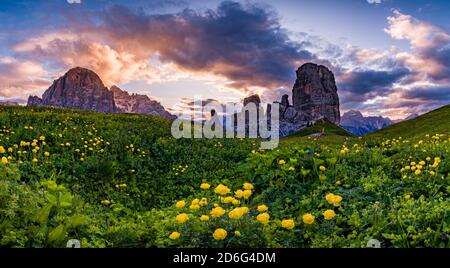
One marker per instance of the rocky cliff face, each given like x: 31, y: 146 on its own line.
x: 314, y: 97
x: 315, y: 93
x: 138, y: 104
x: 357, y: 124
x: 79, y: 88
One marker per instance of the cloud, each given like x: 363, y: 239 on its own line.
x: 74, y: 1
x: 374, y: 1
x: 242, y: 43
x: 26, y: 77
x: 430, y: 45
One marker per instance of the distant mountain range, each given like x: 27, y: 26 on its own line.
x: 354, y: 122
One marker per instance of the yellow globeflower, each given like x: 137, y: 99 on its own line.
x: 288, y: 224
x: 308, y: 218
x: 217, y: 212
x: 195, y: 201
x: 47, y: 154
x: 174, y: 235
x: 262, y: 208
x: 204, y: 218
x: 330, y: 198
x: 263, y: 218
x: 422, y: 163
x: 194, y: 206
x: 248, y: 186
x: 220, y: 234
x: 205, y: 186
x: 4, y: 160
x: 417, y: 172
x: 182, y: 218
x: 2, y: 150
x: 203, y: 202
x: 237, y: 233
x: 180, y: 204
x: 222, y: 189
x: 239, y: 193
x: 236, y: 213
x: 228, y: 199
x: 236, y: 202
x: 329, y: 214
x: 322, y: 168
x: 281, y: 162
x: 247, y: 194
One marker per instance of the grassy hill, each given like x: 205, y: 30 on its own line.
x: 121, y: 180
x: 436, y: 121
x: 330, y: 133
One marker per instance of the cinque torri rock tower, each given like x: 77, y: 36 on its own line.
x: 315, y: 93
x: 314, y: 97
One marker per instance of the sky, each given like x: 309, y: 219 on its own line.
x: 389, y: 57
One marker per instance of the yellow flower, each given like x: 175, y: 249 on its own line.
x: 247, y: 194
x: 308, y: 218
x: 204, y: 218
x: 236, y: 202
x: 281, y: 162
x: 4, y: 160
x: 413, y: 163
x: 237, y: 233
x: 217, y: 212
x: 288, y: 224
x: 42, y: 138
x: 182, y: 218
x: 180, y: 204
x: 205, y: 186
x: 262, y: 208
x: 47, y: 154
x: 222, y: 189
x: 239, y: 193
x: 329, y: 214
x: 432, y: 173
x: 220, y: 234
x: 322, y: 168
x: 10, y: 150
x: 333, y: 199
x: 422, y: 163
x: 237, y: 213
x: 105, y: 202
x: 263, y: 218
x: 2, y: 150
x: 194, y: 206
x: 417, y: 172
x: 248, y: 186
x: 174, y: 235
x: 228, y: 199
x: 408, y: 167
x: 195, y: 201
x: 203, y: 202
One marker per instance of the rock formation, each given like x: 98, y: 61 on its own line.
x: 314, y: 96
x: 81, y: 88
x: 138, y: 104
x: 357, y: 124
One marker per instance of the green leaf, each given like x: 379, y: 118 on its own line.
x: 57, y: 234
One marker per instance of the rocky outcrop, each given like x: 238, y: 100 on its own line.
x: 357, y: 124
x: 314, y: 94
x: 79, y: 88
x: 137, y: 104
